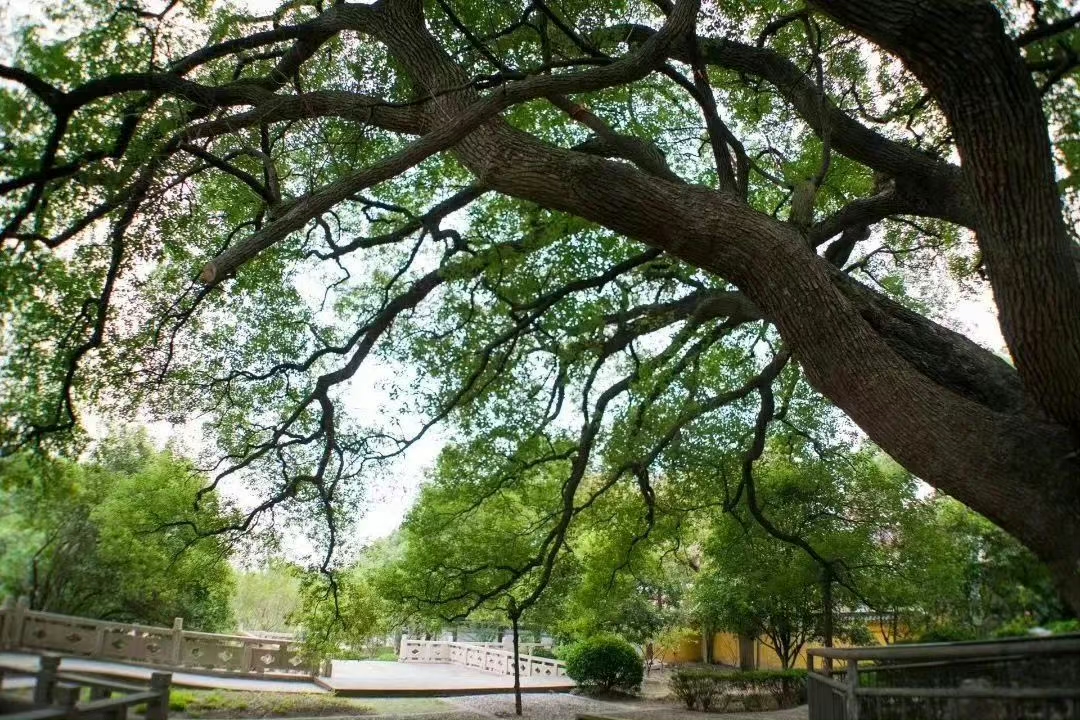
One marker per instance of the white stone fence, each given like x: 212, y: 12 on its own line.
x: 33, y: 631
x: 489, y: 657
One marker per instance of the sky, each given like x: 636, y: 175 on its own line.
x: 389, y: 496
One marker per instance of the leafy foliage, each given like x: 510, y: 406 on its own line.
x: 339, y: 619
x: 469, y: 542
x: 857, y: 512
x: 266, y: 598
x: 116, y: 538
x: 604, y: 663
x: 600, y: 257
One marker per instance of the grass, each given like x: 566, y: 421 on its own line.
x: 221, y: 704
x: 210, y: 704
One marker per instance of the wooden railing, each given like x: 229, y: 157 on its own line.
x: 66, y: 695
x: 33, y: 631
x: 1013, y: 679
x: 482, y: 656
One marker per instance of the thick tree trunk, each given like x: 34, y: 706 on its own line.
x: 960, y: 51
x: 1010, y: 463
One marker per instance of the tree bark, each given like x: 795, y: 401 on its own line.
x: 514, y: 615
x: 827, y: 607
x: 960, y: 51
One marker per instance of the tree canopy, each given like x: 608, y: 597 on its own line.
x: 115, y: 538
x: 620, y: 240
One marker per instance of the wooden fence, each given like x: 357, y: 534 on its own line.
x: 67, y: 695
x: 482, y: 656
x: 174, y: 648
x: 1002, y: 680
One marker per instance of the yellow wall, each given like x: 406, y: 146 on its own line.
x: 688, y: 651
x: 725, y: 648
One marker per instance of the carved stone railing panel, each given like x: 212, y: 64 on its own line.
x: 58, y: 634
x: 212, y: 652
x: 489, y: 657
x: 24, y: 629
x: 137, y: 643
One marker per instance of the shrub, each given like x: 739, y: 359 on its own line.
x: 698, y: 689
x: 946, y: 633
x: 605, y: 663
x: 1060, y: 627
x: 1017, y: 627
x: 709, y: 689
x: 543, y: 652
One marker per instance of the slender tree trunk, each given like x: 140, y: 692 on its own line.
x: 827, y: 602
x: 517, y: 663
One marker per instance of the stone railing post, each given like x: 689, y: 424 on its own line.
x: 247, y: 658
x: 6, y: 611
x: 177, y: 641
x: 158, y: 709
x: 17, y: 618
x: 66, y: 696
x: 403, y: 653
x: 99, y: 640
x: 46, y: 679
x: 852, y: 700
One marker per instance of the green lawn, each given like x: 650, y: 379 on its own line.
x: 229, y: 704
x: 233, y: 704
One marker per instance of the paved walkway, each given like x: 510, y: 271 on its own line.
x: 359, y: 678
x: 180, y: 679
x: 485, y: 703
x: 348, y: 678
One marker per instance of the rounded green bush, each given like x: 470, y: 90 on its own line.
x: 605, y: 663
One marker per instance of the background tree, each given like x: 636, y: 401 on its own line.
x: 340, y: 615
x: 995, y: 582
x: 657, y: 207
x: 267, y: 598
x: 628, y: 581
x: 846, y: 535
x: 116, y: 537
x: 470, y: 542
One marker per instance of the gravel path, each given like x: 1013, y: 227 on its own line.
x: 562, y: 706
x: 548, y: 706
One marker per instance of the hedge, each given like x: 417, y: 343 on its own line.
x: 716, y: 690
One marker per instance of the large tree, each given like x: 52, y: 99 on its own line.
x: 215, y: 214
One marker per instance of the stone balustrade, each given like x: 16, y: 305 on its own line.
x: 61, y: 695
x: 34, y: 631
x: 489, y: 657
